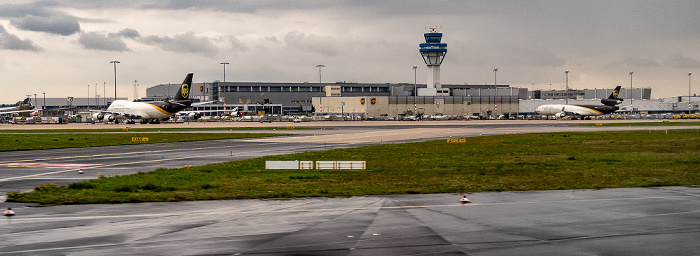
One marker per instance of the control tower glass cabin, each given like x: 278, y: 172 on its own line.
x: 433, y: 52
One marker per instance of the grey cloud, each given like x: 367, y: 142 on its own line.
x: 21, y: 10
x: 640, y: 62
x: 59, y: 24
x: 680, y: 61
x: 126, y: 33
x: 537, y: 57
x: 96, y: 41
x: 378, y: 8
x: 12, y: 42
x: 187, y: 42
x: 236, y: 44
x: 324, y: 45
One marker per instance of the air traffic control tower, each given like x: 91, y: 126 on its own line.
x: 433, y: 52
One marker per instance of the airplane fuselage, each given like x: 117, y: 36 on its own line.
x: 147, y: 110
x: 580, y: 110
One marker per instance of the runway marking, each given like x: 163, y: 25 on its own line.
x: 227, y: 211
x: 50, y: 165
x: 127, y: 163
x: 63, y: 248
x: 77, y: 169
x: 138, y: 152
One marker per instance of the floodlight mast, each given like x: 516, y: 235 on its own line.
x: 319, y: 66
x: 115, y: 62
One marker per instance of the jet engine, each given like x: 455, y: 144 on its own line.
x: 194, y: 116
x: 111, y: 118
x: 98, y: 116
x: 560, y: 115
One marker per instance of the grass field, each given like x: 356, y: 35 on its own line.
x: 31, y: 141
x: 114, y: 130
x: 658, y: 123
x: 488, y: 163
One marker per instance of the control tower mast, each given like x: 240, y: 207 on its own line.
x: 433, y: 52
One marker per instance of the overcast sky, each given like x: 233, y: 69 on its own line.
x: 59, y: 47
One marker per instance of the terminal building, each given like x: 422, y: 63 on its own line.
x: 625, y: 93
x: 362, y: 100
x: 392, y: 100
x: 298, y: 98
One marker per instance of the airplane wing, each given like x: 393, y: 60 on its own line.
x: 188, y: 112
x: 202, y: 103
x: 17, y: 111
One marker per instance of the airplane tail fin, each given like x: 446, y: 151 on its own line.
x: 184, y: 92
x: 613, y: 99
x: 28, y: 101
x: 615, y: 93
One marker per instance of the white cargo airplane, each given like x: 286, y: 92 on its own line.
x: 148, y: 111
x: 582, y: 111
x: 22, y: 107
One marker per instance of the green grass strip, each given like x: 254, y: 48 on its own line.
x: 13, y: 142
x: 151, y: 129
x: 659, y: 123
x: 490, y: 163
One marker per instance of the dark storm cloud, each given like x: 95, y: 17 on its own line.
x: 97, y: 41
x: 59, y: 24
x: 187, y: 42
x: 12, y: 42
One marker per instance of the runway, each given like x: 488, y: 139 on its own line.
x: 584, y: 222
x: 651, y: 221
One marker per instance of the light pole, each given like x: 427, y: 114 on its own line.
x: 115, y: 62
x: 631, y: 94
x: 224, y: 63
x: 136, y: 91
x: 567, y: 88
x: 689, y: 92
x: 104, y: 93
x: 70, y: 105
x: 88, y: 104
x: 35, y: 101
x: 44, y: 105
x: 495, y: 71
x: 319, y: 71
x: 415, y: 91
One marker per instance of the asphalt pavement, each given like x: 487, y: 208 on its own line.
x: 641, y: 221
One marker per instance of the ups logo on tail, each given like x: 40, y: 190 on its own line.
x: 185, y: 91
